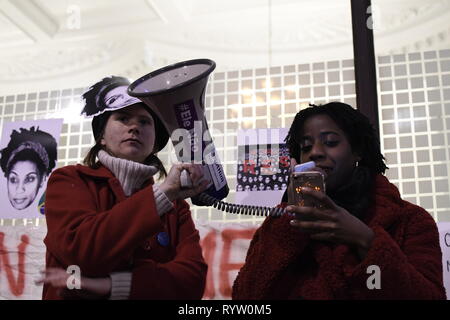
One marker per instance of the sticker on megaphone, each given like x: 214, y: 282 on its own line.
x: 176, y: 94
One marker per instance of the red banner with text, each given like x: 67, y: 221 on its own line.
x: 22, y: 256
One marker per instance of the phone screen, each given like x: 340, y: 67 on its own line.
x: 311, y: 179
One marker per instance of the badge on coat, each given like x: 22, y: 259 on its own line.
x: 163, y: 239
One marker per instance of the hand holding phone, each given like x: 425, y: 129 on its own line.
x: 302, y: 178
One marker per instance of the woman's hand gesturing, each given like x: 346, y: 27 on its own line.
x: 90, y: 288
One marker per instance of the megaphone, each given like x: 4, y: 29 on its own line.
x: 176, y: 94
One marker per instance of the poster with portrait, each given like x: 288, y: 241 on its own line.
x: 28, y: 156
x: 263, y: 166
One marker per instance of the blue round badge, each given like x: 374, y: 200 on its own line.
x: 41, y: 204
x: 163, y: 239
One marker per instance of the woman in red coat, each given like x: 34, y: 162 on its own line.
x: 128, y: 237
x: 365, y: 242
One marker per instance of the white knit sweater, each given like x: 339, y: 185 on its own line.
x: 131, y: 176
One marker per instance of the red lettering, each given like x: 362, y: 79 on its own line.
x: 285, y: 162
x: 228, y: 235
x: 16, y: 286
x: 208, y: 244
x: 249, y: 165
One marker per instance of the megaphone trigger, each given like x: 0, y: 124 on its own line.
x: 185, y: 180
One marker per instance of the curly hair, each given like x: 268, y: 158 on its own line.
x: 33, y: 145
x: 356, y: 126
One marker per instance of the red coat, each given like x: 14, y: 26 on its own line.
x: 92, y: 224
x: 283, y: 263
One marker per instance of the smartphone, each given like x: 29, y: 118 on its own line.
x: 311, y: 179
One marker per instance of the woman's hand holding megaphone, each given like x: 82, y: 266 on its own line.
x: 173, y: 187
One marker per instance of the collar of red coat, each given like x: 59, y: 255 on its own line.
x: 104, y: 173
x: 100, y: 172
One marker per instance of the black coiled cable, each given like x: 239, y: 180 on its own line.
x: 239, y: 208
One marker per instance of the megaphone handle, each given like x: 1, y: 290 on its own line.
x: 185, y: 180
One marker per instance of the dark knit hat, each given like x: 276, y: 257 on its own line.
x: 95, y: 106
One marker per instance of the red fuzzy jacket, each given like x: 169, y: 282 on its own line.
x: 92, y: 224
x: 283, y: 263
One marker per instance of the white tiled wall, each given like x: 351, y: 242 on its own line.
x: 414, y: 99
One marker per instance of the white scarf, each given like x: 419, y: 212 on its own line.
x: 131, y: 174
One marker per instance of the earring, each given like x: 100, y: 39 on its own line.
x: 357, y: 163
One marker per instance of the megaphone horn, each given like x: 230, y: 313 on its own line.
x: 176, y: 93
